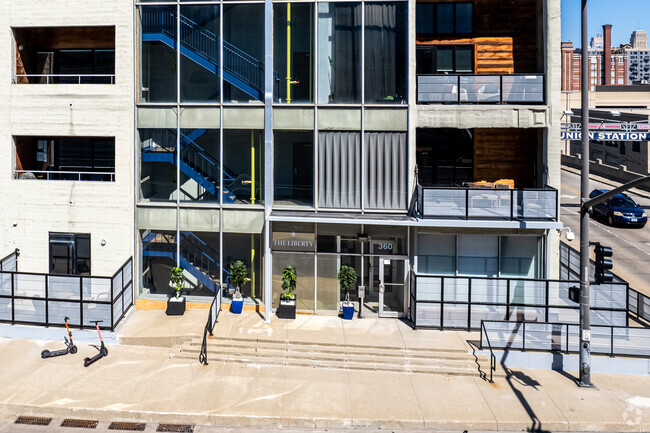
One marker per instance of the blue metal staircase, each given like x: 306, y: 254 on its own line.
x: 195, y: 161
x: 196, y: 257
x: 202, y: 46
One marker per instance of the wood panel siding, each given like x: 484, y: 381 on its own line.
x: 506, y: 153
x: 516, y: 19
x: 491, y: 55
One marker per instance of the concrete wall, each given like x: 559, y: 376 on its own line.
x: 32, y: 208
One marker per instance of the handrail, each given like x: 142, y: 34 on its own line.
x: 52, y: 175
x: 213, y: 314
x: 493, y: 359
x: 78, y: 76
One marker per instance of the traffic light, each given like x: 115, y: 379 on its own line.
x: 603, y: 265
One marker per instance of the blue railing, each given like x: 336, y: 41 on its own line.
x: 240, y: 68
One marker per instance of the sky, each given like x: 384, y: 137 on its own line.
x: 625, y: 16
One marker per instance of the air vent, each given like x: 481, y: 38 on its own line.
x: 33, y: 420
x: 175, y: 428
x: 79, y: 423
x: 128, y: 426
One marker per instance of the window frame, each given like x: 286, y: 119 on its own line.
x: 74, y: 258
x: 434, y: 59
x: 454, y: 19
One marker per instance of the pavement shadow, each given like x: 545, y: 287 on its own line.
x: 482, y: 374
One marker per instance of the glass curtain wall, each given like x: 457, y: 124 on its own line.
x: 199, y: 42
x: 158, y: 71
x: 293, y: 168
x: 200, y: 169
x: 243, y: 168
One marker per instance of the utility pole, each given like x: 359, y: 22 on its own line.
x: 585, y: 323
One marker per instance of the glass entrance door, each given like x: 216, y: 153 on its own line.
x: 392, y: 287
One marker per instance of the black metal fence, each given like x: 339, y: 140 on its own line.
x: 46, y: 299
x: 213, y: 315
x: 638, y: 303
x: 564, y: 337
x: 463, y: 302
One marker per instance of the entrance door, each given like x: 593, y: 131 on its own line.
x: 392, y: 287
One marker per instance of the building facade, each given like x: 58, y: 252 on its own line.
x: 314, y: 134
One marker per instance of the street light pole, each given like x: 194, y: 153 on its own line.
x: 585, y: 323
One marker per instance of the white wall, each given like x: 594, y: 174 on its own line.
x: 32, y: 208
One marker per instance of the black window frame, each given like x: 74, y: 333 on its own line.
x: 454, y: 19
x: 433, y: 66
x: 75, y: 265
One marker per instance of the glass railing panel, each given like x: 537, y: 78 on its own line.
x: 489, y: 203
x: 444, y: 202
x: 536, y: 204
x: 522, y: 88
x: 480, y: 88
x: 437, y: 88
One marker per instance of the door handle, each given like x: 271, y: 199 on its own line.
x: 381, y: 288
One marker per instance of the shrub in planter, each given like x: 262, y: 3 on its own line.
x: 347, y: 278
x: 176, y: 305
x: 238, y: 276
x: 287, y: 307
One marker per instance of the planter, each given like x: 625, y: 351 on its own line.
x: 175, y: 306
x: 287, y: 309
x: 237, y: 305
x: 348, y: 311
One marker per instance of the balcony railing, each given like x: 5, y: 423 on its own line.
x: 64, y: 79
x: 482, y: 203
x: 101, y: 176
x: 481, y: 89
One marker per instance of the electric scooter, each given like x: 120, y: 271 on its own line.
x: 70, y: 347
x: 103, y: 351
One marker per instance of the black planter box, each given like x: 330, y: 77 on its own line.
x: 175, y: 306
x: 287, y: 309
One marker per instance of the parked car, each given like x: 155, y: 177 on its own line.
x: 618, y: 210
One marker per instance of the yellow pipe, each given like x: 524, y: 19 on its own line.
x: 252, y: 167
x: 252, y: 266
x: 288, y: 53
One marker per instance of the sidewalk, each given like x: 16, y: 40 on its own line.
x: 147, y: 383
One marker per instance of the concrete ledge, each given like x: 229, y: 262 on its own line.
x: 598, y: 167
x: 160, y: 305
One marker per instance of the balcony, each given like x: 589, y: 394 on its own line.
x: 481, y: 89
x: 488, y: 203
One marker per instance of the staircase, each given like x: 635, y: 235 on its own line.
x: 202, y: 47
x: 197, y: 258
x: 198, y: 164
x: 260, y: 352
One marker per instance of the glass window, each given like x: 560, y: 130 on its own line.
x: 158, y: 258
x: 200, y: 261
x: 157, y: 164
x: 478, y: 255
x: 386, y: 32
x: 445, y: 18
x: 70, y: 253
x: 436, y: 254
x: 521, y: 257
x: 246, y: 247
x: 158, y: 54
x: 464, y: 59
x: 200, y: 53
x: 293, y: 52
x: 424, y: 18
x: 305, y: 283
x: 293, y: 175
x: 329, y: 289
x: 339, y: 238
x: 445, y: 156
x: 243, y: 53
x: 200, y: 169
x: 387, y: 240
x: 464, y: 17
x: 339, y: 53
x: 243, y: 174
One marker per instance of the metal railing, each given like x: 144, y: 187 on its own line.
x: 65, y: 79
x: 638, y: 304
x: 463, y: 302
x: 45, y: 299
x: 481, y: 89
x: 482, y: 203
x: 493, y: 359
x: 10, y: 262
x: 213, y: 314
x: 101, y: 176
x: 565, y: 337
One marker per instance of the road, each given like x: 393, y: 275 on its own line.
x: 631, y: 245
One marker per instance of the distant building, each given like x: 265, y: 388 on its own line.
x: 606, y: 66
x: 639, y: 40
x: 596, y: 42
x: 639, y: 70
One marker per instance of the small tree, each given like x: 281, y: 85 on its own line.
x: 238, y: 276
x: 347, y: 278
x: 289, y: 282
x: 177, y: 278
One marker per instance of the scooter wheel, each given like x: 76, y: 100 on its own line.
x: 86, y: 362
x: 45, y: 354
x: 73, y: 349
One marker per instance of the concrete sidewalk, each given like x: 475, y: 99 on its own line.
x: 146, y: 383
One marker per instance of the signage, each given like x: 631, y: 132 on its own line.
x: 292, y: 241
x: 361, y: 291
x: 607, y: 136
x: 383, y: 247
